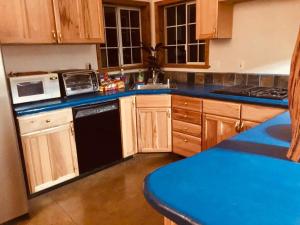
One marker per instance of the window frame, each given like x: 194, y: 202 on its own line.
x: 119, y: 28
x: 161, y: 36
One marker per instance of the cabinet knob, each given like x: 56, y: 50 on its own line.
x: 185, y: 116
x: 185, y: 140
x: 185, y: 103
x: 48, y: 121
x: 185, y: 128
x: 54, y: 35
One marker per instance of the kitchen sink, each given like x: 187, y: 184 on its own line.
x: 152, y: 86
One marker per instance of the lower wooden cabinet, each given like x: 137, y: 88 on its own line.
x: 154, y: 129
x: 50, y: 156
x: 246, y: 125
x: 168, y: 222
x: 186, y: 145
x: 217, y: 129
x: 128, y: 125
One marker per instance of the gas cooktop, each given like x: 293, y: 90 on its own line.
x: 254, y: 91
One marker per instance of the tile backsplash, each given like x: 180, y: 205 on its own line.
x: 229, y: 79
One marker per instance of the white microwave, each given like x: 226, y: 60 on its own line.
x: 32, y: 88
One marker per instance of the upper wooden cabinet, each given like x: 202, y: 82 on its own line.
x: 27, y: 21
x: 51, y: 21
x: 79, y: 21
x: 213, y: 19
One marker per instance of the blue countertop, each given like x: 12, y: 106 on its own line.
x: 243, y: 180
x: 182, y: 89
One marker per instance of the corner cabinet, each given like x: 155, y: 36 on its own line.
x: 128, y: 125
x: 51, y: 21
x: 49, y: 148
x: 213, y: 19
x: 154, y: 123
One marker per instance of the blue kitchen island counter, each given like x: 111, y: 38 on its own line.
x: 233, y: 183
x: 182, y: 89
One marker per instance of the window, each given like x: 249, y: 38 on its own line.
x: 180, y: 35
x: 122, y: 37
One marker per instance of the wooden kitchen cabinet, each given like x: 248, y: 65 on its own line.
x: 79, y: 21
x: 27, y: 21
x: 154, y: 129
x: 128, y: 126
x: 213, y: 19
x: 217, y: 129
x: 49, y: 149
x: 50, y: 157
x: 51, y: 21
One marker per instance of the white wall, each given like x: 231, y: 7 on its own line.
x: 48, y: 57
x: 264, y: 36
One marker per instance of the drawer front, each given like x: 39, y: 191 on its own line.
x: 42, y: 121
x: 259, y: 113
x: 220, y: 108
x: 153, y: 101
x: 188, y: 103
x: 187, y: 128
x: 186, y: 145
x: 186, y: 116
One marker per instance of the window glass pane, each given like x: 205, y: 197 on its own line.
x: 171, y: 36
x: 134, y: 18
x: 181, y: 35
x: 110, y: 17
x: 171, y: 18
x: 192, y: 53
x: 125, y: 37
x: 192, y: 13
x: 181, y: 14
x: 136, y: 55
x: 111, y: 37
x: 135, y: 37
x: 113, y: 57
x: 103, y: 58
x: 127, y: 55
x: 192, y: 33
x: 202, y: 53
x: 124, y: 18
x: 181, y: 54
x: 171, y: 54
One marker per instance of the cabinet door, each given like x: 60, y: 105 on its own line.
x: 154, y: 129
x: 206, y: 18
x: 27, y: 21
x: 162, y: 130
x: 217, y: 129
x: 246, y: 125
x: 50, y: 157
x: 79, y: 21
x: 128, y: 124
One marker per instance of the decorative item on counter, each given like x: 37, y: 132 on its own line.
x: 110, y: 84
x: 140, y: 78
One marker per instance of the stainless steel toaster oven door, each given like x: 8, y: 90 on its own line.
x: 77, y: 83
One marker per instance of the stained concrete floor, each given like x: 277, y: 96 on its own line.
x: 110, y: 197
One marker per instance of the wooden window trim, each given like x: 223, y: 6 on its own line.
x: 145, y: 30
x: 160, y: 35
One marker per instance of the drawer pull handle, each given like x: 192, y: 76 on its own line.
x: 185, y: 103
x: 185, y: 140
x: 48, y: 121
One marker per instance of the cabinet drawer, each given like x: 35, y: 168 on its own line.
x: 153, y: 101
x: 186, y: 116
x: 220, y: 108
x: 259, y: 113
x: 186, y: 145
x: 187, y: 128
x: 46, y: 120
x: 187, y: 103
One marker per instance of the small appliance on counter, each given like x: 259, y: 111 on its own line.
x: 34, y: 86
x: 78, y: 81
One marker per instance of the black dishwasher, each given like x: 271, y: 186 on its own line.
x: 98, y: 135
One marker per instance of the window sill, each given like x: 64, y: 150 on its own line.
x: 189, y: 66
x: 125, y: 68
